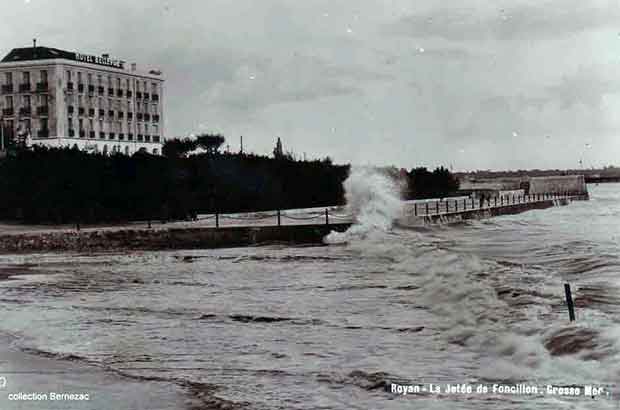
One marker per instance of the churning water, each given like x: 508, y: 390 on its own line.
x: 330, y: 326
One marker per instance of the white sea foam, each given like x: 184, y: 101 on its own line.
x: 373, y: 199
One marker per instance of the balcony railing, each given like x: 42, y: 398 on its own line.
x: 71, y: 132
x: 42, y: 110
x: 147, y: 138
x: 140, y: 138
x: 26, y: 111
x: 155, y: 97
x: 80, y: 87
x: 121, y: 136
x: 156, y: 138
x: 25, y: 88
x: 7, y: 88
x: 130, y: 137
x: 43, y: 133
x: 155, y: 118
x: 42, y: 87
x: 82, y: 133
x: 8, y: 112
x: 112, y: 135
x: 101, y: 135
x: 91, y: 134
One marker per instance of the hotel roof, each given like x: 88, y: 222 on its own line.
x: 37, y: 53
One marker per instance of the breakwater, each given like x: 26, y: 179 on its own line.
x: 143, y: 238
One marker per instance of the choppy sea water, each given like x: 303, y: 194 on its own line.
x: 328, y: 327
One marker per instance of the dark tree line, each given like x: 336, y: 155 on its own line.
x: 43, y: 185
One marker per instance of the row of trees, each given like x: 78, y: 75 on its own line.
x: 67, y: 185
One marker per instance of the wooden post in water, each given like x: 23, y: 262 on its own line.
x: 569, y: 302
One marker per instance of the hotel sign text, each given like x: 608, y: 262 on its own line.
x: 85, y: 58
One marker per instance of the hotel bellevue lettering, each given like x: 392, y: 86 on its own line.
x: 98, y: 60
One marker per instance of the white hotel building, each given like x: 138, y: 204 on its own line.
x: 65, y: 99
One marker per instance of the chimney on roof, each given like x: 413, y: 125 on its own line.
x: 34, y: 48
x: 106, y: 55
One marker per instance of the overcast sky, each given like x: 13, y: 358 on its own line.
x: 465, y: 84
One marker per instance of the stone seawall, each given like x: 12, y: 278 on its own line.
x: 147, y: 239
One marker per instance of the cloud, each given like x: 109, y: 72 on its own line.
x: 511, y: 21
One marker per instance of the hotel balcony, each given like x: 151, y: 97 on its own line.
x: 156, y: 138
x: 112, y: 135
x: 140, y: 138
x: 80, y: 87
x: 25, y: 111
x: 7, y: 88
x: 101, y: 90
x: 24, y: 88
x: 130, y: 137
x: 101, y: 135
x: 82, y: 133
x: 42, y: 87
x: 71, y: 132
x: 43, y: 133
x: 8, y: 112
x: 91, y: 134
x: 43, y: 110
x: 147, y: 138
x: 119, y: 93
x: 121, y: 136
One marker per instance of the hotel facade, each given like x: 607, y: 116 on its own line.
x: 60, y: 98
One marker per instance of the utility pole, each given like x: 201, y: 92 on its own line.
x: 241, y: 150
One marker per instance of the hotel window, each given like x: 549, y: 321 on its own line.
x: 154, y: 108
x: 70, y: 122
x: 146, y: 129
x: 101, y: 126
x: 139, y: 128
x: 9, y: 101
x: 139, y: 106
x: 26, y: 101
x: 43, y: 76
x: 43, y: 124
x: 110, y: 104
x: 43, y: 99
x: 118, y: 83
x: 26, y: 77
x: 109, y: 81
x: 90, y: 78
x: 68, y: 76
x: 119, y: 126
x: 91, y: 125
x: 145, y: 89
x: 81, y: 122
x: 8, y: 78
x: 154, y: 88
x: 100, y: 102
x: 99, y: 80
x: 79, y: 74
x: 79, y: 100
x: 155, y: 130
x: 27, y: 125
